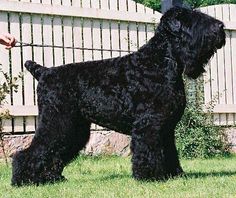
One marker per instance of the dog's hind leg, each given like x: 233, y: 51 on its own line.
x: 62, y: 132
x: 57, y: 141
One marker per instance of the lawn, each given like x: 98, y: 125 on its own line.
x: 106, y: 177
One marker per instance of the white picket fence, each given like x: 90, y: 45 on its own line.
x: 116, y: 27
x: 220, y: 79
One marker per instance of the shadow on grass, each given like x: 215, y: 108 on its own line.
x: 193, y: 175
x: 124, y: 176
x: 115, y: 176
x: 107, y: 177
x: 188, y: 175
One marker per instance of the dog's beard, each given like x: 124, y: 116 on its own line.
x: 194, y: 71
x: 220, y: 40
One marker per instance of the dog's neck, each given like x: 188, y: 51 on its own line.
x: 158, y: 50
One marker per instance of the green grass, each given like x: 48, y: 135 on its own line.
x: 106, y: 177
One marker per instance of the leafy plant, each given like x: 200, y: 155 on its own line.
x: 196, y: 135
x: 202, y: 3
x: 7, y: 84
x: 156, y: 4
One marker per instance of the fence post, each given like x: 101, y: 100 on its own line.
x: 167, y: 4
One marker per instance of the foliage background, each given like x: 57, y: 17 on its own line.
x: 156, y: 4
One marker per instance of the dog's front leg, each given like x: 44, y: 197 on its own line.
x: 172, y: 165
x: 148, y: 160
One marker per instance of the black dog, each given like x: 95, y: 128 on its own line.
x: 141, y: 94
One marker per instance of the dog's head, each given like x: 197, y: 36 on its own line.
x: 194, y: 38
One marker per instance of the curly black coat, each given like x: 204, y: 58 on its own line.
x: 140, y: 94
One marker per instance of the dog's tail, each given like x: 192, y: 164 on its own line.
x: 35, y: 69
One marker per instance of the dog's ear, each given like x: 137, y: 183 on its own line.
x: 171, y: 27
x: 170, y: 21
x: 174, y: 20
x: 174, y: 26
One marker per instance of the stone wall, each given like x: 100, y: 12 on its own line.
x: 13, y: 143
x: 231, y: 134
x: 101, y: 142
x: 106, y: 142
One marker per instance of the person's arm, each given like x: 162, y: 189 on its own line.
x: 8, y: 40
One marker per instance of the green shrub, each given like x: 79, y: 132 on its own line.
x: 156, y: 4
x: 196, y: 136
x: 203, y: 3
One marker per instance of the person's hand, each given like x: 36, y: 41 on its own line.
x: 8, y: 40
